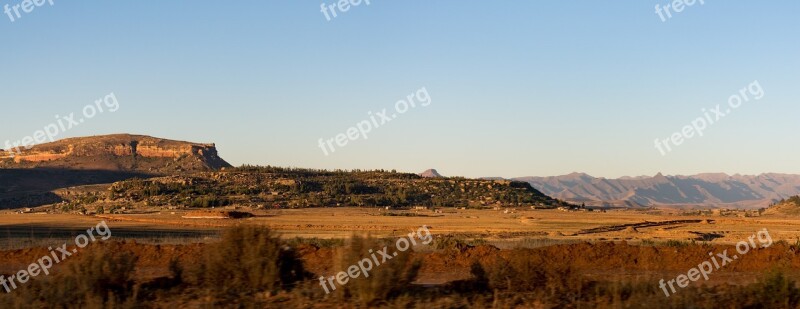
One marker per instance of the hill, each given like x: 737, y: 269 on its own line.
x: 789, y: 207
x: 274, y: 187
x: 431, y: 173
x: 703, y: 190
x: 119, y: 152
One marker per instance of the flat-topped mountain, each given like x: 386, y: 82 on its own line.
x: 118, y: 152
x: 706, y: 190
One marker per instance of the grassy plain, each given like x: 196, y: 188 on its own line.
x: 494, y: 226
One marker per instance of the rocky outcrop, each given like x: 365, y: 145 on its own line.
x: 117, y: 152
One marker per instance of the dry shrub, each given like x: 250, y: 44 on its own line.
x: 526, y: 271
x: 774, y: 290
x: 97, y: 277
x: 385, y: 282
x: 451, y: 243
x: 249, y: 260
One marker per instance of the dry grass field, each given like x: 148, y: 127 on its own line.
x: 498, y: 227
x: 491, y: 225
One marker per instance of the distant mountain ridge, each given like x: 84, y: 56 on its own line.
x: 705, y: 190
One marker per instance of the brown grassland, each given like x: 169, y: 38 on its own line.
x: 478, y: 259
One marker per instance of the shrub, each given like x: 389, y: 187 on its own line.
x: 316, y: 242
x: 455, y: 243
x: 248, y: 260
x: 385, y: 282
x: 676, y: 243
x: 524, y: 271
x: 99, y: 277
x: 774, y: 291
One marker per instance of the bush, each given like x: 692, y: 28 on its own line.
x: 454, y: 243
x: 316, y: 242
x: 526, y: 272
x: 676, y: 243
x: 247, y: 261
x: 774, y: 291
x: 385, y: 282
x: 98, y: 277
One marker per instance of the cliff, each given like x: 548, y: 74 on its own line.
x: 119, y: 152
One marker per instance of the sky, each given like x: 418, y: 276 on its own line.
x: 509, y: 88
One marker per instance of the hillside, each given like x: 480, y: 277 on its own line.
x: 788, y: 207
x: 120, y: 152
x: 273, y: 187
x: 705, y: 190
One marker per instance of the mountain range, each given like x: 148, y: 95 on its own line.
x: 703, y: 190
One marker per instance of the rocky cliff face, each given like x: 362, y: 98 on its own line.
x: 117, y: 152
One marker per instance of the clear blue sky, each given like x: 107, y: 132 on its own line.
x: 518, y: 88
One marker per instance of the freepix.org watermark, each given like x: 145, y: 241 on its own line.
x: 697, y: 127
x: 329, y: 10
x: 56, y: 256
x: 376, y: 120
x: 26, y: 6
x: 375, y: 259
x: 676, y: 6
x: 716, y: 262
x: 62, y: 124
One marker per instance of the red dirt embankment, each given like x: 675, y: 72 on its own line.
x: 153, y: 260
